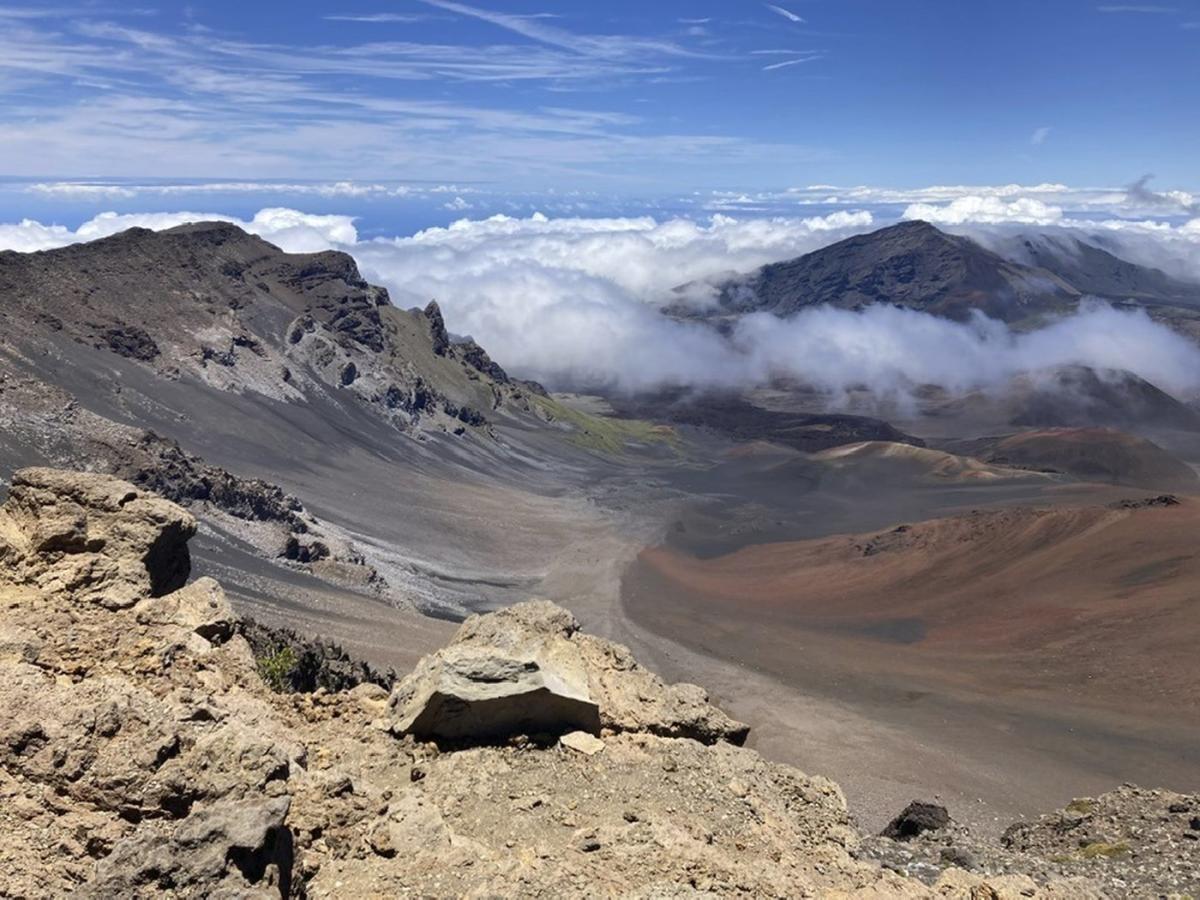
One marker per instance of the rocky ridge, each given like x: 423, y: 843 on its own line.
x: 141, y: 753
x: 211, y: 367
x: 917, y: 266
x: 227, y: 309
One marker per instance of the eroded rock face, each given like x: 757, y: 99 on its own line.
x: 97, y: 538
x: 137, y: 756
x: 528, y: 670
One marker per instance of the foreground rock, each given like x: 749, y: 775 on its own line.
x: 528, y: 669
x: 98, y: 538
x: 141, y: 753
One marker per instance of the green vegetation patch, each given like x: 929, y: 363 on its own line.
x: 277, y: 668
x: 290, y: 663
x: 1102, y: 849
x: 605, y: 434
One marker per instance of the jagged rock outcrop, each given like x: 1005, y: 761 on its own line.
x: 289, y: 661
x: 131, y: 762
x: 528, y: 669
x: 142, y: 755
x: 255, y: 512
x: 97, y: 538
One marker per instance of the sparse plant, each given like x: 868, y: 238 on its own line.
x: 276, y: 668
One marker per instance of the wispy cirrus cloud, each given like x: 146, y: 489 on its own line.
x: 349, y: 189
x: 789, y: 62
x: 1039, y: 135
x: 99, y: 94
x: 377, y: 18
x: 606, y: 46
x: 786, y: 13
x: 28, y: 12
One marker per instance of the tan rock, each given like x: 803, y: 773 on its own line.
x: 200, y: 607
x: 526, y: 669
x: 97, y: 538
x: 582, y: 742
x: 142, y: 756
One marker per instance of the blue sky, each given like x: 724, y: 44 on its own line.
x: 617, y: 99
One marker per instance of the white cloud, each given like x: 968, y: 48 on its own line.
x: 987, y: 211
x: 85, y: 190
x: 94, y: 96
x: 1141, y: 196
x: 377, y: 18
x: 1039, y: 136
x: 790, y: 62
x: 575, y: 301
x: 786, y: 13
x: 892, y: 350
x: 1138, y: 8
x: 81, y: 190
x: 598, y: 46
x: 27, y: 236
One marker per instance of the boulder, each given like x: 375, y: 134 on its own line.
x: 915, y: 819
x: 200, y: 607
x: 528, y: 670
x: 96, y: 537
x: 238, y: 849
x: 471, y: 694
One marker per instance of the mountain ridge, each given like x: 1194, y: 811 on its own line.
x: 915, y: 265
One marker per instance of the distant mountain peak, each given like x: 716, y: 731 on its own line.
x: 916, y: 265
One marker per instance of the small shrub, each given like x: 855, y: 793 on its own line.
x: 276, y: 668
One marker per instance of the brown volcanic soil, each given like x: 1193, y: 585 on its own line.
x: 1090, y: 454
x: 968, y: 596
x: 1006, y: 657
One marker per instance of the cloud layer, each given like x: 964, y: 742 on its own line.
x: 574, y: 302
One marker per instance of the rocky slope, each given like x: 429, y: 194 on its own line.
x: 265, y: 391
x: 141, y: 753
x: 917, y: 266
x: 211, y: 302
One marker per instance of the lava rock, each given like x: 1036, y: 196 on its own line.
x: 917, y: 818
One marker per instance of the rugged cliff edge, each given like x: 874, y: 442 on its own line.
x: 141, y: 752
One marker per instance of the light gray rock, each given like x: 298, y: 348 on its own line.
x: 238, y: 849
x: 470, y: 694
x: 527, y: 670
